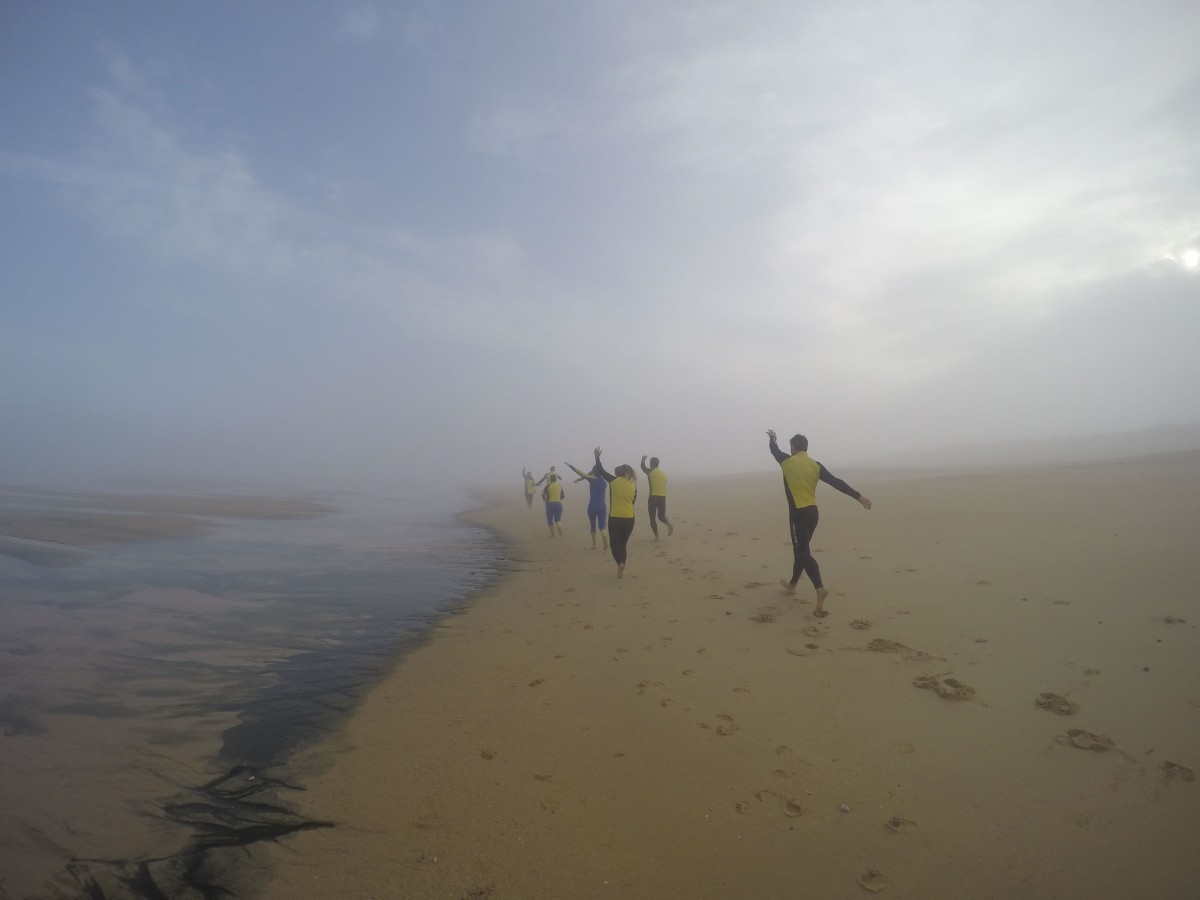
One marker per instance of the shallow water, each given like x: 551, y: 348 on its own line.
x: 152, y: 693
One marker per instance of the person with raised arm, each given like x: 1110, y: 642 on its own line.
x: 800, y: 476
x: 657, y: 503
x: 622, y: 494
x: 597, y: 510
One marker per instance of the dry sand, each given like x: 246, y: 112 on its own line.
x: 693, y: 732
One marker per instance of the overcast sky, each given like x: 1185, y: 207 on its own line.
x: 337, y: 243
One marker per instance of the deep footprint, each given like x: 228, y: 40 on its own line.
x: 874, y: 881
x: 900, y: 825
x: 1087, y: 740
x: 1057, y: 704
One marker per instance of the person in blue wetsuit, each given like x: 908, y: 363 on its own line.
x: 597, y: 510
x: 800, y: 476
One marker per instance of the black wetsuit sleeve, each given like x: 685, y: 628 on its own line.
x: 834, y: 482
x: 599, y: 470
x: 779, y: 455
x: 644, y: 469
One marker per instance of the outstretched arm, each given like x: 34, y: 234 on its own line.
x: 645, y: 468
x: 599, y: 469
x: 833, y: 481
x: 773, y: 446
x: 582, y: 475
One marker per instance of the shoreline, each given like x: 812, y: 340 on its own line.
x: 232, y: 638
x: 691, y: 731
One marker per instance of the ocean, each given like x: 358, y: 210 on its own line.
x: 154, y: 694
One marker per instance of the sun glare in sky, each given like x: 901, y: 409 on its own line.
x: 1190, y: 259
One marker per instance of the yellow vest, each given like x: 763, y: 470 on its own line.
x: 621, y: 496
x: 800, y: 476
x: 658, y: 482
x: 554, y: 492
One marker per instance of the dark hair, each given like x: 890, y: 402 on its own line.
x: 799, y: 442
x: 653, y: 461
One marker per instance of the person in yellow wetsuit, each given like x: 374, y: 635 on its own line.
x: 530, y: 487
x: 800, y: 476
x: 553, y: 494
x: 657, y: 504
x: 622, y: 494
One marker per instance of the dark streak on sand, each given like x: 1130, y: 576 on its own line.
x: 225, y: 814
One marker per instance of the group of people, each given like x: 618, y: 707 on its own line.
x: 613, y: 520
x: 611, y: 499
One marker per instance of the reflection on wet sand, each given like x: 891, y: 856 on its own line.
x: 151, y: 691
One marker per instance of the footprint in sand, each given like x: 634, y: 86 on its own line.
x: 1057, y: 704
x: 791, y: 808
x: 537, y: 681
x: 1175, y: 770
x: 754, y: 584
x: 860, y: 624
x: 1086, y: 740
x: 813, y: 646
x: 900, y: 825
x: 725, y: 725
x: 763, y: 618
x: 487, y: 754
x: 1173, y: 620
x: 816, y: 631
x: 948, y: 688
x: 883, y: 645
x: 874, y: 881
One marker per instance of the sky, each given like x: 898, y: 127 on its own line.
x: 372, y: 243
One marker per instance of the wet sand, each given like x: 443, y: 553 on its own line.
x: 1003, y: 702
x: 132, y: 658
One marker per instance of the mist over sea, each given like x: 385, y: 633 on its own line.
x: 153, y: 694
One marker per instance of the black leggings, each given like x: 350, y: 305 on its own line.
x: 657, y: 504
x: 619, y: 530
x: 804, y: 524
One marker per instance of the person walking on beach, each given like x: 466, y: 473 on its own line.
x: 597, y: 512
x: 622, y: 494
x: 800, y: 476
x: 530, y: 487
x: 658, y: 495
x: 553, y: 494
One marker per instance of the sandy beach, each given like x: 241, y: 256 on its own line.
x: 1004, y: 702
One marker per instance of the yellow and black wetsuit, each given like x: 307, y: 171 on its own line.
x: 800, y: 476
x: 622, y: 494
x: 657, y: 502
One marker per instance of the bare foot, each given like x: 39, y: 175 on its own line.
x: 787, y: 585
x: 670, y: 529
x: 606, y: 545
x: 620, y: 571
x: 820, y: 612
